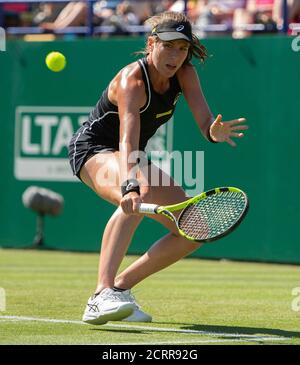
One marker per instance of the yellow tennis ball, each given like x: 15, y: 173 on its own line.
x: 56, y: 61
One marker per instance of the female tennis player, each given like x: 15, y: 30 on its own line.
x: 103, y: 154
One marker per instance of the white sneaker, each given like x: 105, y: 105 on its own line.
x: 109, y: 305
x: 138, y: 315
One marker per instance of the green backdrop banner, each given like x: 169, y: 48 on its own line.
x: 257, y: 78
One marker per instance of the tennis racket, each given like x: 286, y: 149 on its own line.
x: 208, y: 216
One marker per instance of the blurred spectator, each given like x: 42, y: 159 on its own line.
x: 203, y: 17
x: 142, y: 9
x: 293, y: 16
x: 192, y: 10
x: 212, y: 12
x: 232, y: 14
x: 237, y: 14
x: 294, y: 11
x: 47, y: 12
x: 73, y: 14
x: 264, y: 12
x: 16, y: 14
x: 178, y: 6
x: 161, y: 6
x: 164, y: 5
x: 123, y: 17
x: 104, y: 11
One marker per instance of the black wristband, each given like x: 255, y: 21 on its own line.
x: 209, y: 136
x: 130, y: 185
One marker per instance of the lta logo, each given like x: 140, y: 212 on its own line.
x: 42, y: 136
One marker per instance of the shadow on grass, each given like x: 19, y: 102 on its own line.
x: 215, y: 330
x: 234, y: 330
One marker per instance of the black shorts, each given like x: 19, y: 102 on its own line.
x: 81, y: 148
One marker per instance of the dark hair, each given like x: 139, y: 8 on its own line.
x: 196, y: 49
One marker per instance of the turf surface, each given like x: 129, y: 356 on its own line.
x: 192, y: 302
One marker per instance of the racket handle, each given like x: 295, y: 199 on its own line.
x: 148, y: 208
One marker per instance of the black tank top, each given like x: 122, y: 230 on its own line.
x: 103, y: 124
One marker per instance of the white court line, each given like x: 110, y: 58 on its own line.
x: 233, y: 336
x: 49, y: 320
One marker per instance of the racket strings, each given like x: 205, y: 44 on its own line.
x: 212, y: 216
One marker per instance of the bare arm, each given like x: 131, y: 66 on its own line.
x: 294, y: 10
x: 130, y: 95
x: 71, y: 15
x: 212, y: 128
x: 192, y: 91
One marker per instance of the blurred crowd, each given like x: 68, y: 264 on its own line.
x: 209, y: 17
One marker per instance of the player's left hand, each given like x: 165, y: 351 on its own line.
x: 224, y: 131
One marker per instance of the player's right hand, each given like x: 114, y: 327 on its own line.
x: 130, y: 203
